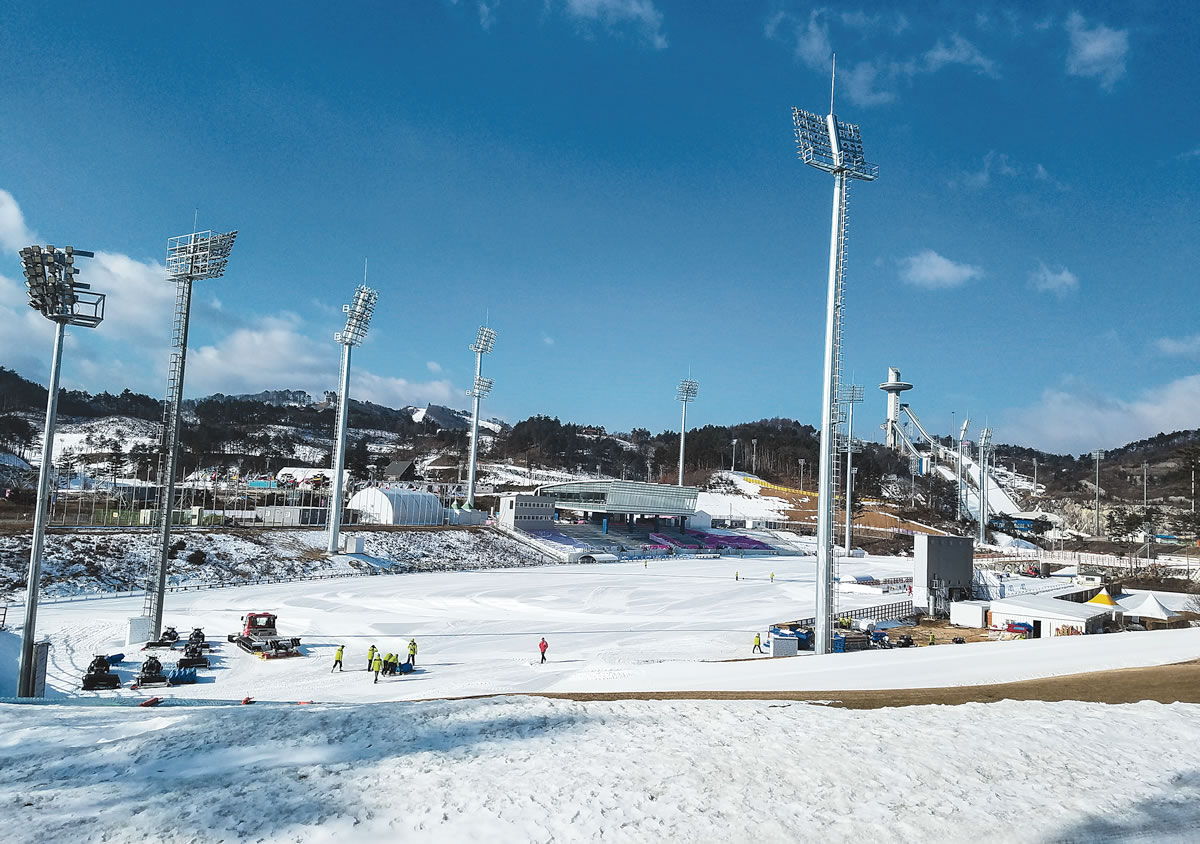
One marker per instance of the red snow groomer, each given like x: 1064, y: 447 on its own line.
x: 260, y: 638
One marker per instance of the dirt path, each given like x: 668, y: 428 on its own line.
x: 1179, y: 683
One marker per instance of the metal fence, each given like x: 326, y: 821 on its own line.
x: 881, y: 612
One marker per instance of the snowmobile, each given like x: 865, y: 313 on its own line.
x: 99, y: 676
x: 193, y: 656
x: 151, y: 673
x: 198, y: 638
x: 167, y: 640
x: 905, y: 641
x: 259, y: 637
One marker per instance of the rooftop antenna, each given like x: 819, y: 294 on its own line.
x: 836, y: 148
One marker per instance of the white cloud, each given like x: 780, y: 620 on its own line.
x: 547, y: 339
x: 930, y: 270
x: 433, y: 366
x: 1191, y: 153
x: 14, y: 234
x: 958, y: 51
x: 861, y: 85
x: 1060, y: 282
x: 1188, y: 347
x: 1081, y: 420
x: 487, y: 14
x: 642, y: 15
x: 1096, y: 51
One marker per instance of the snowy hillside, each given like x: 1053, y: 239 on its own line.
x: 109, y: 560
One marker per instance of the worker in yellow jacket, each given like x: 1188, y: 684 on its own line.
x: 337, y: 658
x: 377, y: 666
x: 757, y: 644
x: 370, y: 656
x: 412, y: 652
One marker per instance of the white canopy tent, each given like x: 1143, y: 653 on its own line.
x: 396, y: 506
x: 1145, y: 605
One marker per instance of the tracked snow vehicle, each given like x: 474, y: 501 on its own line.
x: 193, y: 656
x: 99, y: 676
x: 259, y: 637
x: 151, y: 673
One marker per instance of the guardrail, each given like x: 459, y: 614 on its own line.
x: 880, y: 612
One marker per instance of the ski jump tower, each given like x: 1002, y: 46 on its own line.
x: 893, y: 387
x: 835, y: 148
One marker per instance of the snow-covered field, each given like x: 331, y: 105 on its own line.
x: 607, y: 624
x: 529, y: 769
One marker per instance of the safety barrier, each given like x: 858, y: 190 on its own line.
x: 881, y: 612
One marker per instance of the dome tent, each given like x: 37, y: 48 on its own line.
x: 396, y: 506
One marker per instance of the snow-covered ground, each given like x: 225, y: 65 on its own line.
x: 740, y: 499
x: 529, y: 769
x: 661, y: 626
x: 608, y: 625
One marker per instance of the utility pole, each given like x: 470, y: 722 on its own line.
x: 754, y: 455
x: 1099, y: 455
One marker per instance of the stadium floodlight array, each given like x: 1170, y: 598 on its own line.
x: 199, y: 256
x: 485, y: 341
x: 686, y: 392
x: 833, y: 147
x: 358, y: 320
x: 55, y: 293
x: 1098, y: 454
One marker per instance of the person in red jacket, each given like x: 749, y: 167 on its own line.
x: 542, y: 647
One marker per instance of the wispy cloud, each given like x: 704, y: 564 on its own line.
x: 547, y: 339
x: 1191, y: 153
x: 1059, y: 281
x: 642, y: 16
x: 931, y: 271
x: 433, y: 366
x: 1075, y: 420
x: 14, y: 234
x: 1001, y: 164
x: 872, y: 82
x: 958, y: 50
x: 1096, y: 51
x: 487, y: 14
x: 1187, y: 347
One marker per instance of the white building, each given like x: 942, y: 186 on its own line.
x: 526, y: 512
x: 396, y: 506
x: 1048, y: 616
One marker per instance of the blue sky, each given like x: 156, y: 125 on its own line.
x: 614, y: 183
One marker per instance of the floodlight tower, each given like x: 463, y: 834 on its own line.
x: 851, y: 395
x: 190, y: 258
x: 485, y: 341
x: 985, y: 440
x: 1099, y: 455
x: 733, y: 457
x: 358, y: 320
x: 834, y: 147
x: 59, y: 297
x: 684, y: 393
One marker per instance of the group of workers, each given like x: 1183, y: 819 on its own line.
x: 378, y: 662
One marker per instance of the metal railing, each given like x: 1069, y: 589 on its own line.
x: 880, y: 612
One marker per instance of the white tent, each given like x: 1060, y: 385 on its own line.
x: 1146, y: 605
x: 396, y: 506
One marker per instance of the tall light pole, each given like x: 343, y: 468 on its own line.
x: 733, y: 457
x: 358, y: 320
x: 962, y: 439
x: 485, y: 341
x: 802, y: 461
x: 1099, y: 455
x: 684, y: 393
x: 850, y: 395
x: 985, y: 440
x: 850, y: 476
x: 190, y: 257
x: 1146, y: 505
x: 754, y: 455
x: 833, y: 147
x: 56, y: 295
x: 1035, y: 490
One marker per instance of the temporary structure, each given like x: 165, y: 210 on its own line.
x: 396, y: 506
x: 1146, y: 605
